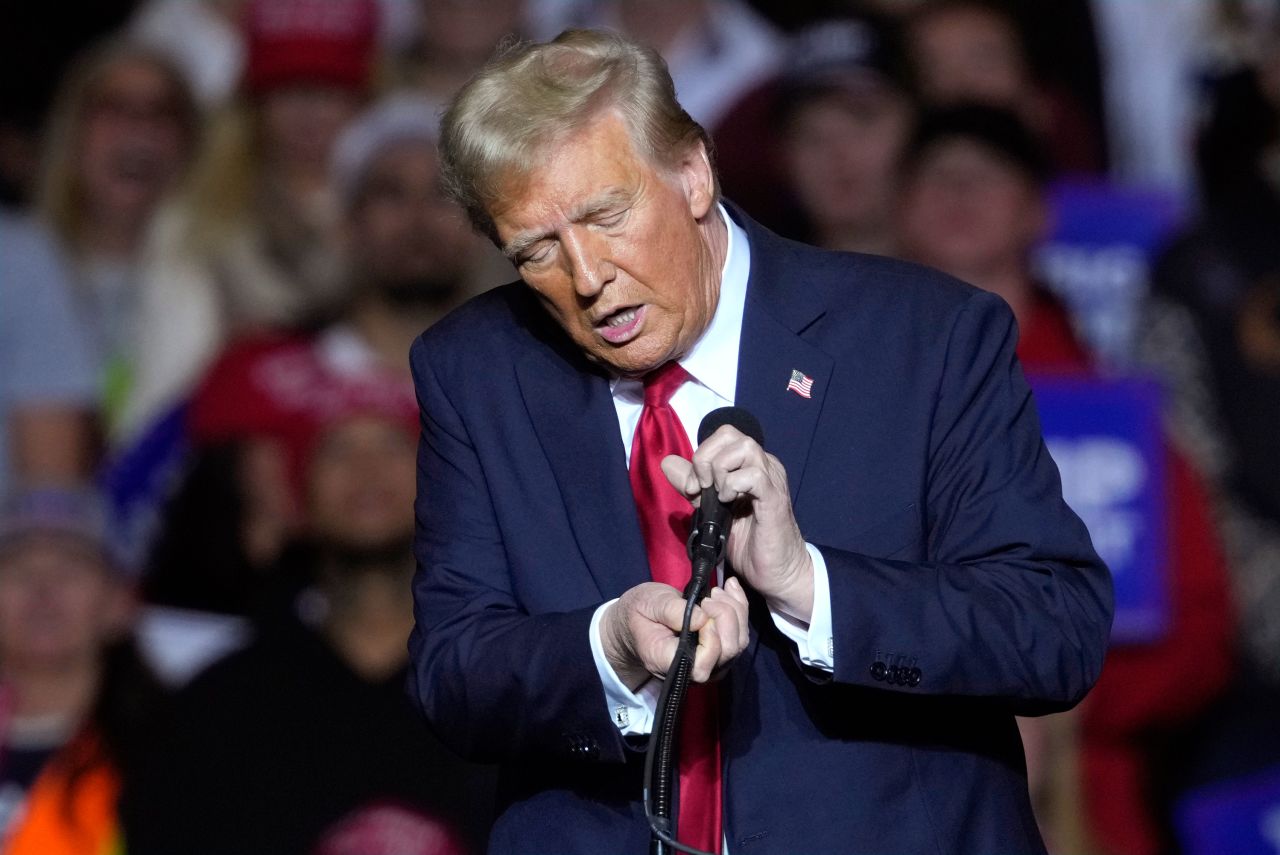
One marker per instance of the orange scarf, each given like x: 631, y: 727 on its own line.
x: 65, y: 817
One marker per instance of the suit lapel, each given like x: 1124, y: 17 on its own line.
x: 770, y: 352
x: 777, y: 311
x: 576, y: 423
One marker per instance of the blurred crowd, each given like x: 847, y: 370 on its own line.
x: 223, y: 226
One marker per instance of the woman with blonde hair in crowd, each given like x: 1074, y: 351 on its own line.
x: 251, y: 242
x: 121, y: 134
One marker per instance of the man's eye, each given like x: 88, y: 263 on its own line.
x: 537, y: 256
x: 608, y: 221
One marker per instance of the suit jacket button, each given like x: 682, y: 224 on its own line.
x: 913, y: 677
x: 582, y: 746
x: 879, y: 670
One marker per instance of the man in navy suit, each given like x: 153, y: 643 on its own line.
x: 902, y: 579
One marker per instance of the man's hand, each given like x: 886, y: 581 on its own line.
x: 640, y: 632
x: 765, y: 545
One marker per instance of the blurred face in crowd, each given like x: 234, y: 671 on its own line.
x: 464, y: 31
x: 59, y: 603
x: 300, y: 122
x: 362, y: 482
x: 617, y: 248
x: 405, y: 236
x: 270, y: 513
x: 841, y: 152
x: 893, y: 8
x: 133, y: 140
x: 1269, y: 70
x: 384, y: 827
x: 969, y: 54
x: 660, y: 21
x: 969, y: 211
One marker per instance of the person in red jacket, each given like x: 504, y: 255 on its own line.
x: 974, y: 206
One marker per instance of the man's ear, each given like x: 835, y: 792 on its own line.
x: 698, y: 180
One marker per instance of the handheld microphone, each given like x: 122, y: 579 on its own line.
x: 710, y: 530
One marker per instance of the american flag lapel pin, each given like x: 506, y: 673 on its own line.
x: 801, y: 384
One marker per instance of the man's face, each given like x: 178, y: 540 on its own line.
x: 300, y: 122
x: 58, y: 602
x: 842, y: 154
x: 969, y: 55
x: 361, y: 484
x: 403, y: 230
x: 967, y: 211
x: 617, y: 248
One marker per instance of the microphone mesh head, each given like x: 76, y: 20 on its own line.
x: 746, y: 423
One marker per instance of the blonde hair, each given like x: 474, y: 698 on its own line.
x: 59, y: 194
x: 219, y: 192
x: 531, y: 95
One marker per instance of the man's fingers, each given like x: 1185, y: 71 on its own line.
x: 662, y: 652
x: 734, y: 591
x: 709, y: 450
x: 725, y: 452
x: 741, y: 482
x: 707, y: 655
x: 720, y: 621
x: 739, y: 595
x: 680, y: 475
x: 725, y: 616
x: 668, y: 610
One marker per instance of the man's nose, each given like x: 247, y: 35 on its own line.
x: 589, y: 260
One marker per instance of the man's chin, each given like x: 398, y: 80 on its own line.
x: 632, y: 359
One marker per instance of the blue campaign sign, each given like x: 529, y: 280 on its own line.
x: 1240, y: 817
x: 1098, y: 258
x: 1104, y: 434
x: 139, y: 479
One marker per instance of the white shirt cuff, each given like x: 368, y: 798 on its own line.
x: 632, y: 712
x: 814, y: 641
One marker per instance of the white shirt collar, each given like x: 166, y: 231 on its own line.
x: 713, y: 359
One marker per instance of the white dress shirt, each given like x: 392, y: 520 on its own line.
x: 712, y: 362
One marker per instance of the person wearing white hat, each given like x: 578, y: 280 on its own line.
x: 76, y: 698
x: 411, y: 257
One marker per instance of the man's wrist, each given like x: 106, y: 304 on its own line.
x: 630, y: 711
x: 613, y: 640
x: 794, y: 598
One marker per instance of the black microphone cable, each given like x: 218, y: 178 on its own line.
x: 659, y: 758
x: 708, y: 537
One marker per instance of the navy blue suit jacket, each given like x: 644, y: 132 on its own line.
x: 963, y: 589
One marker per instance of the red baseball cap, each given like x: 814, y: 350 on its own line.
x: 330, y: 42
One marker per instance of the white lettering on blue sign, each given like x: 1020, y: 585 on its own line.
x: 1100, y: 476
x: 1269, y: 826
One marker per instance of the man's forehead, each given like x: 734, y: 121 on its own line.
x: 584, y: 174
x: 547, y: 208
x: 543, y: 217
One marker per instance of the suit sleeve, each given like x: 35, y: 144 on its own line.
x: 496, y: 682
x: 1012, y: 604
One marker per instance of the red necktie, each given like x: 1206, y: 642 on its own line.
x: 664, y: 522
